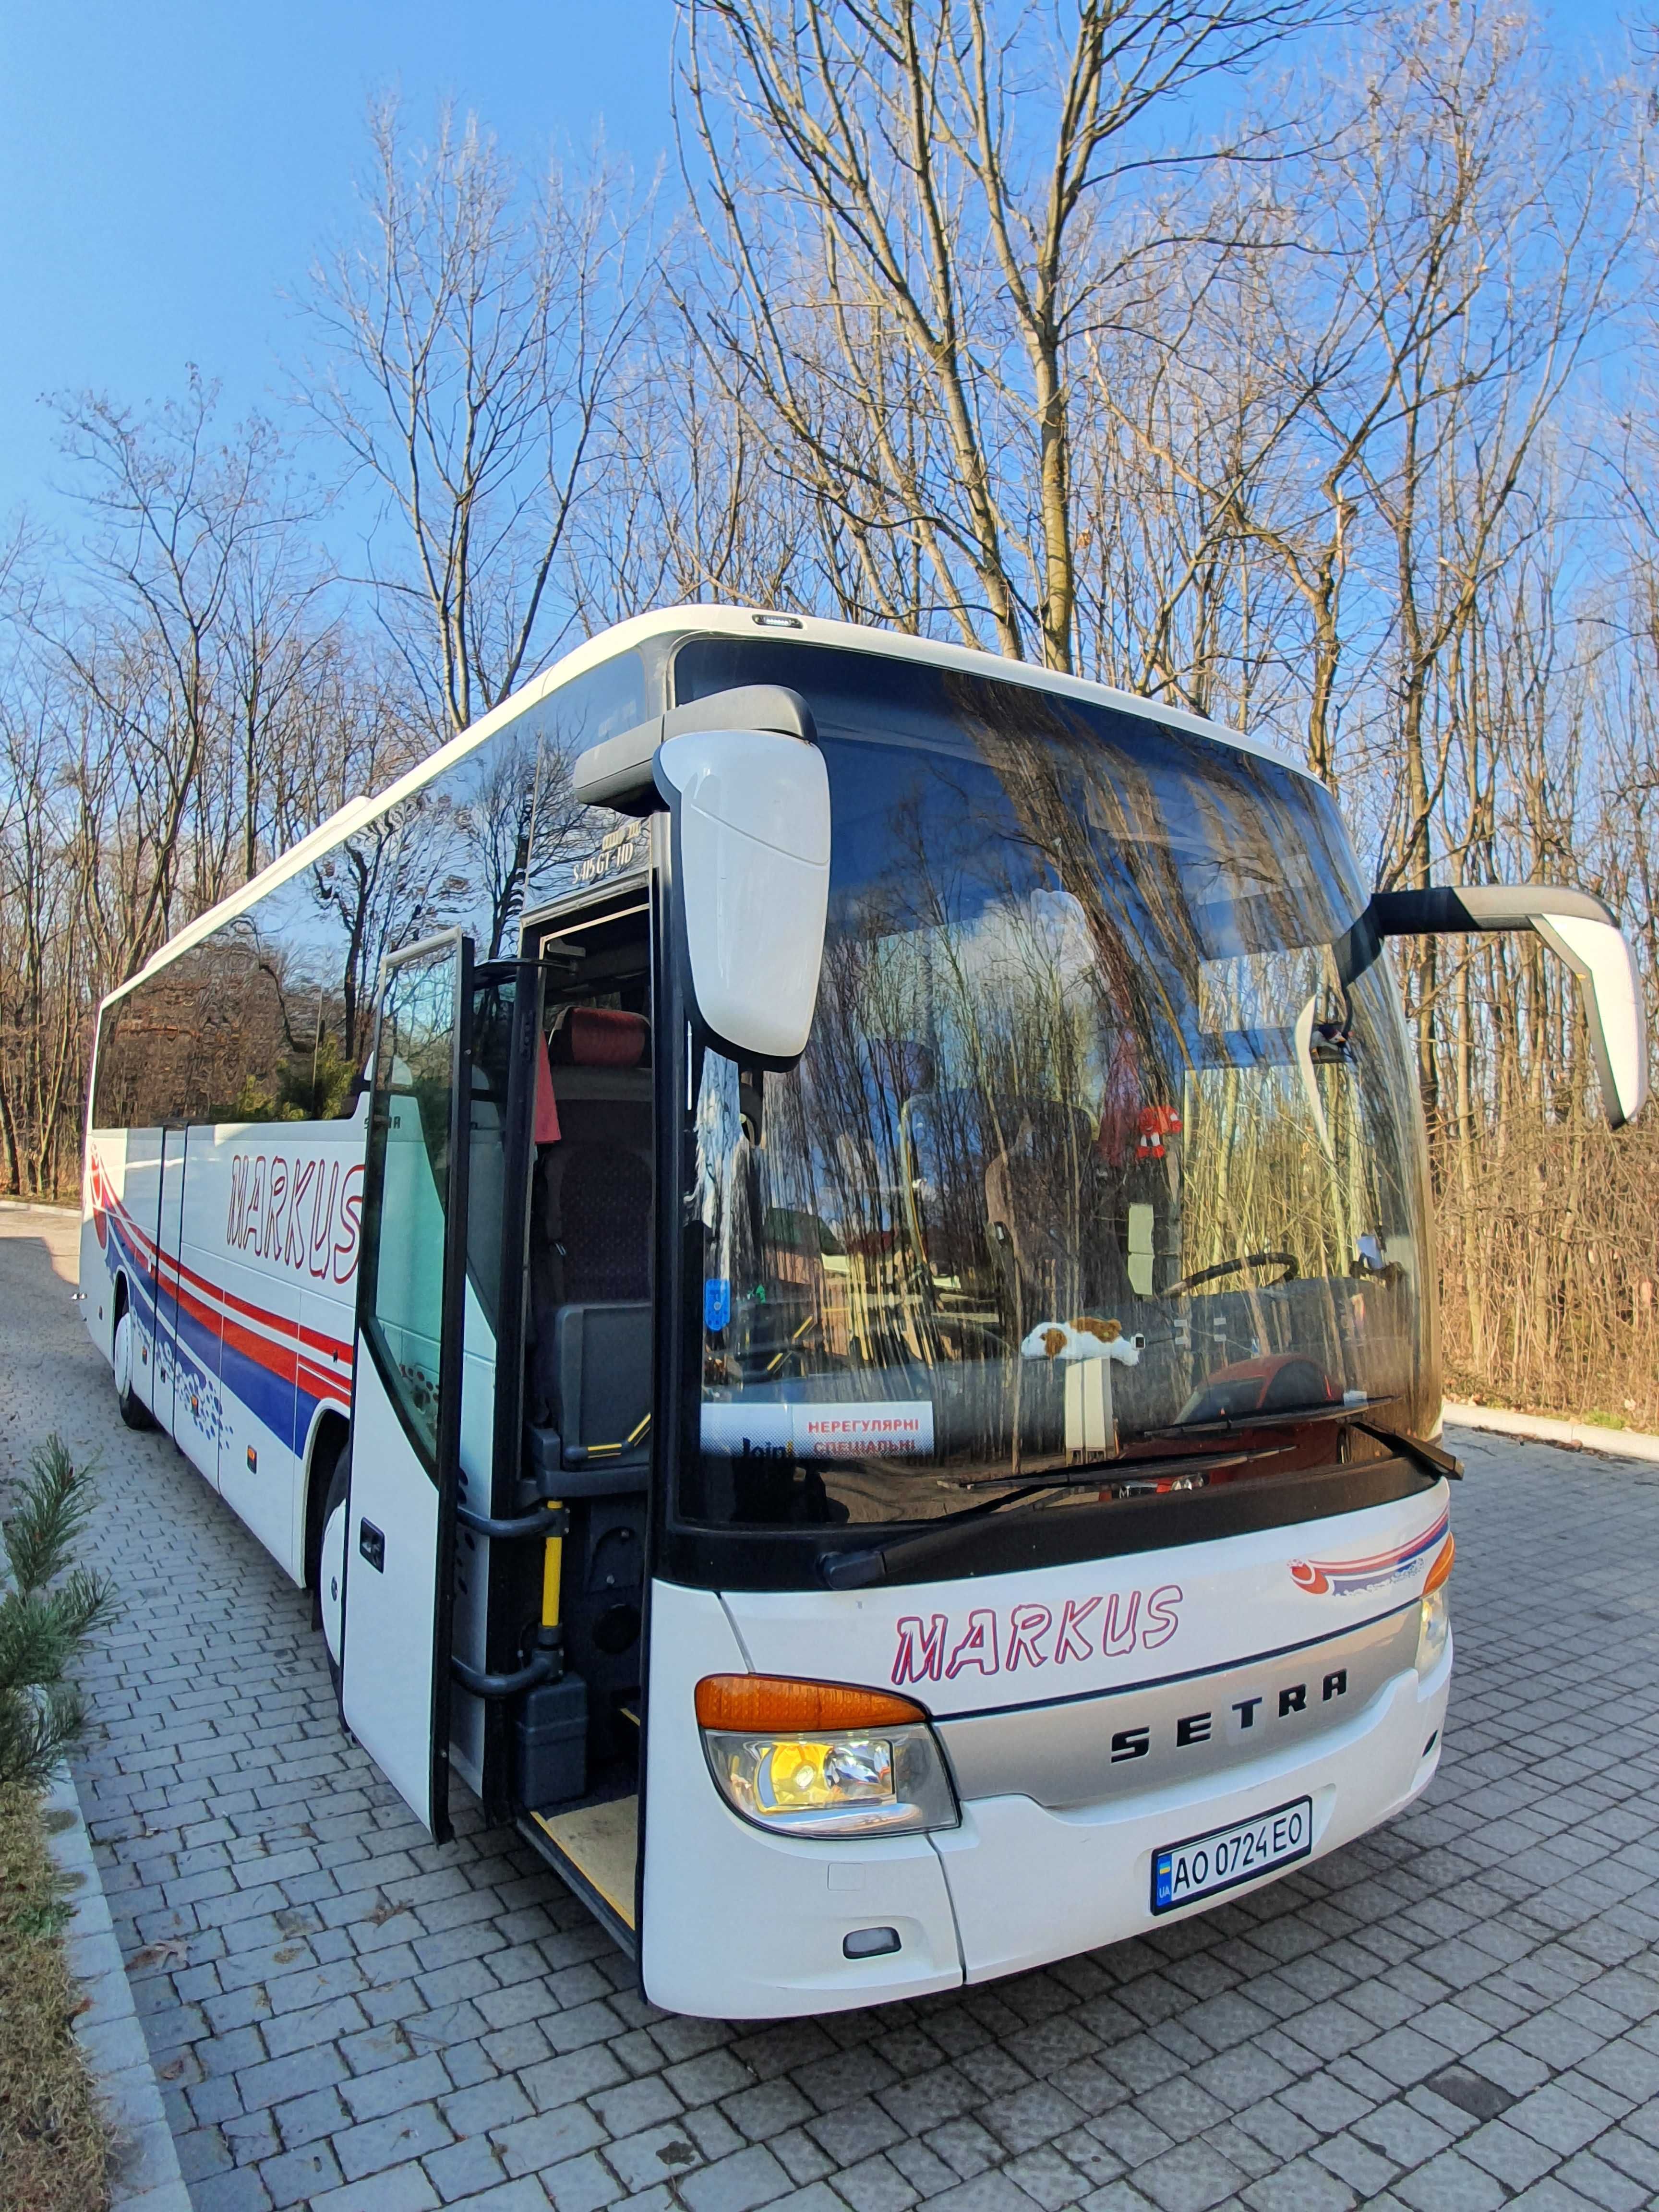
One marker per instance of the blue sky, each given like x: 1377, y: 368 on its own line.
x: 168, y: 170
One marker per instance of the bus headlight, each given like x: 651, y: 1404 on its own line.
x: 1431, y: 1635
x: 788, y: 1767
x: 1435, y: 1626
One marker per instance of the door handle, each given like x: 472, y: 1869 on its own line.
x: 545, y: 1521
x: 544, y: 1666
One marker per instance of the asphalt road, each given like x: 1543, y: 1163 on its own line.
x: 1461, y: 2011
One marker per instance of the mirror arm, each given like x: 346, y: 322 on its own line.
x: 617, y: 773
x: 1557, y: 915
x: 1458, y: 910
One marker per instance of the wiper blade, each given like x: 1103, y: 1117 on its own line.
x: 1092, y: 1472
x: 860, y: 1570
x: 1431, y: 1458
x: 1282, y: 1417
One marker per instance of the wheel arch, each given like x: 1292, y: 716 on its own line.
x: 330, y: 1434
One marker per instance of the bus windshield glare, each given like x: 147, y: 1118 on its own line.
x: 1096, y: 1156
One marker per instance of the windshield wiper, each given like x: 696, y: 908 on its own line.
x: 1282, y: 1417
x: 1092, y: 1472
x: 858, y: 1570
x: 1431, y: 1458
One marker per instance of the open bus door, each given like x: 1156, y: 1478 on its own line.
x: 406, y: 1399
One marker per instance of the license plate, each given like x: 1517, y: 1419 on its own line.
x: 1205, y: 1864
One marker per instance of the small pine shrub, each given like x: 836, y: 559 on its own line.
x: 49, y: 1609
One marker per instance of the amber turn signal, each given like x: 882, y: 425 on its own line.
x: 776, y: 1706
x: 1443, y: 1567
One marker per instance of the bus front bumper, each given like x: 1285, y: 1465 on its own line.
x: 742, y: 1924
x: 1028, y: 1885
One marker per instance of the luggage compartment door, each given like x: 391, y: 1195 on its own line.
x: 406, y: 1413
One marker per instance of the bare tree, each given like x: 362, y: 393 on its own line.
x: 180, y: 699
x: 474, y: 346
x: 912, y: 203
x: 173, y: 618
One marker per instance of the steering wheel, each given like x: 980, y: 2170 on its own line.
x: 1287, y: 1260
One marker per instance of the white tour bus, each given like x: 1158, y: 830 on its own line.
x: 818, y: 1245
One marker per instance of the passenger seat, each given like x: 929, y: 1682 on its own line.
x: 591, y: 1260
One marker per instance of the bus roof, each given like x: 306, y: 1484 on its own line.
x: 692, y: 620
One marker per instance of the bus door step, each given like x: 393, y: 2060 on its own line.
x: 596, y: 1849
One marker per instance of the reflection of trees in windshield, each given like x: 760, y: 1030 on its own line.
x: 462, y: 851
x: 520, y: 822
x: 1053, y: 1073
x: 269, y: 1018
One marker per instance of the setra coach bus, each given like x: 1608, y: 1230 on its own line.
x: 818, y: 1247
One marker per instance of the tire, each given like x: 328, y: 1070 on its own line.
x: 331, y: 1563
x: 132, y: 1409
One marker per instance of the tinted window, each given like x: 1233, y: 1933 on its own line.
x: 182, y: 1045
x: 269, y: 1019
x: 406, y: 1222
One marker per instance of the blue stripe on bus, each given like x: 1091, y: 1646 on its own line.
x: 267, y: 1396
x: 285, y: 1407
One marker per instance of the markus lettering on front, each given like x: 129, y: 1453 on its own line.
x: 1033, y: 1636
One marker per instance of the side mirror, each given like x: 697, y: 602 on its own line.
x: 1574, y: 925
x: 749, y: 817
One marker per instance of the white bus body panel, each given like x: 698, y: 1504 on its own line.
x: 385, y: 1678
x: 247, y: 1307
x: 961, y: 1646
x: 197, y: 1405
x: 141, y: 1210
x: 256, y: 1460
x: 103, y: 1177
x: 171, y: 1230
x: 741, y: 1924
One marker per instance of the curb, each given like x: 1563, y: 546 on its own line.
x: 143, y: 2170
x: 1575, y: 1436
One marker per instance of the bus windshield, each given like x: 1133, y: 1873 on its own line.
x: 1097, y: 1155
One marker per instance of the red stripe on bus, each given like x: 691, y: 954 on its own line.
x: 277, y: 1359
x: 317, y: 1338
x: 263, y: 1354
x: 165, y: 1264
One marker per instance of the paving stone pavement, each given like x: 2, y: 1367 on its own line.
x: 1460, y: 2011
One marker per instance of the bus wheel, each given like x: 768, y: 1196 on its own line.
x: 331, y: 1566
x: 133, y: 1410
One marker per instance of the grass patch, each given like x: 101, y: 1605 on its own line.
x: 53, y: 2144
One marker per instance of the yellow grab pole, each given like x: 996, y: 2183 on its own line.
x: 552, y: 1568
